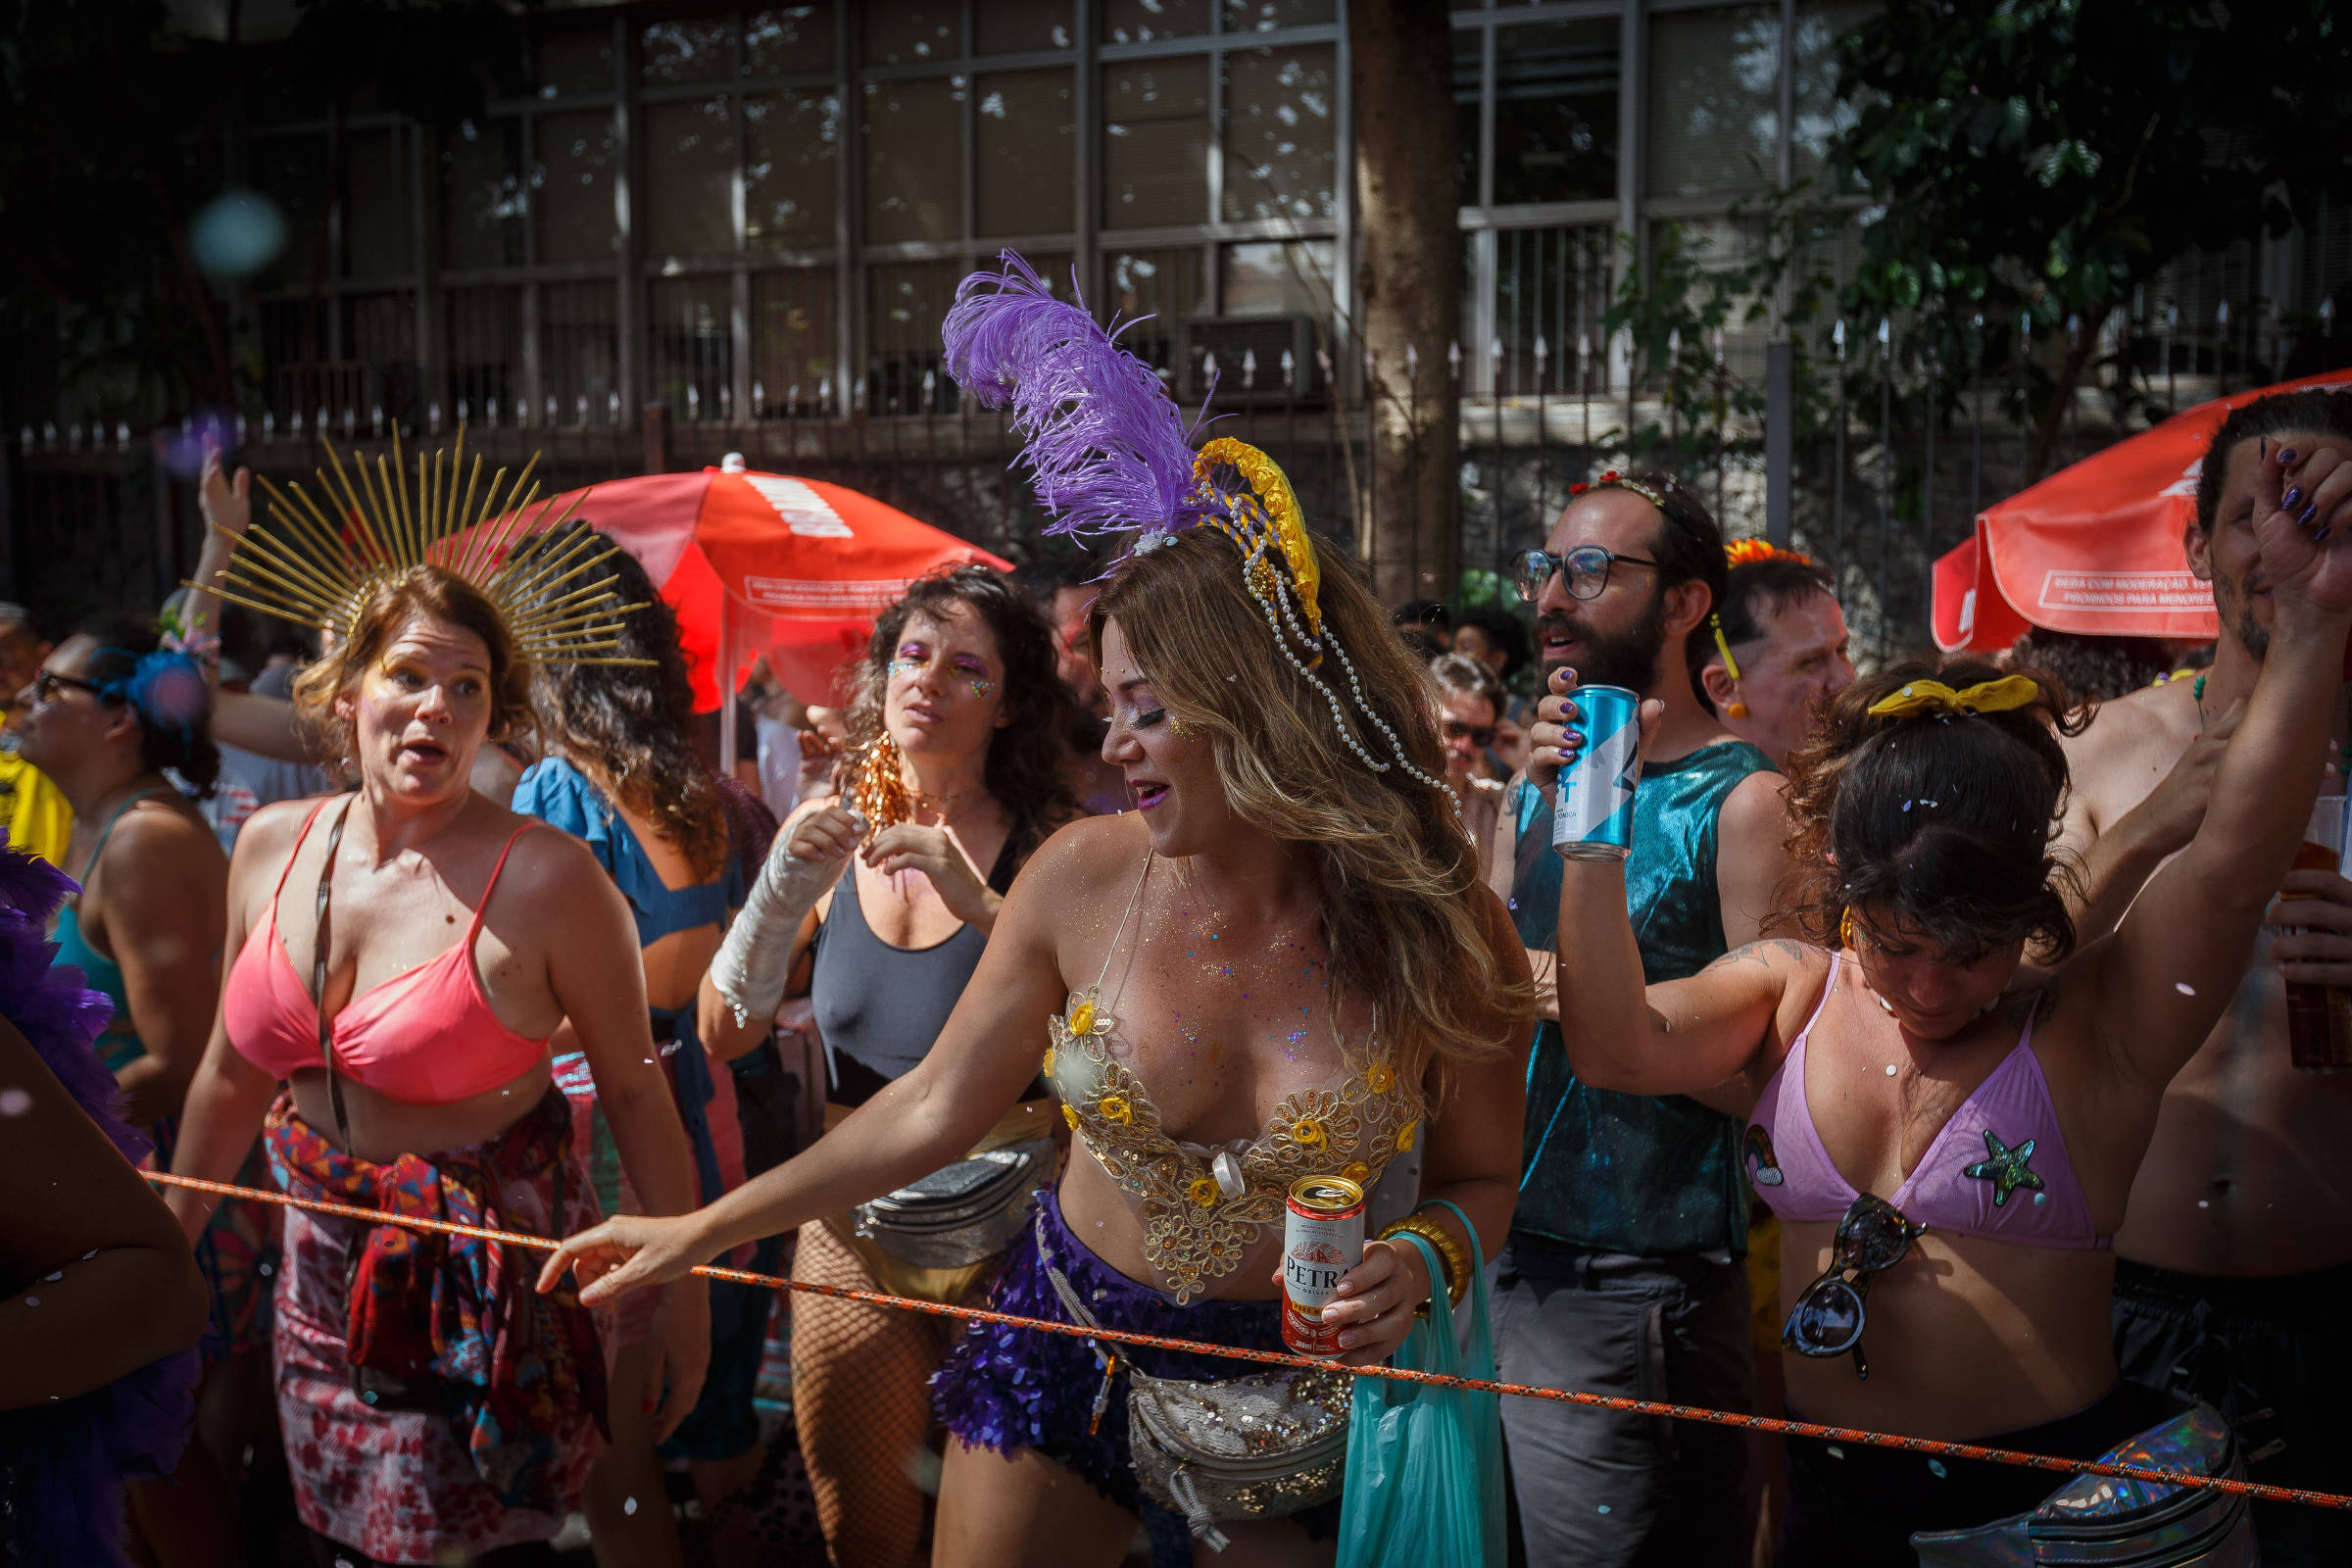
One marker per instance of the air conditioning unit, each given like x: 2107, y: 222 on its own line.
x: 1250, y: 353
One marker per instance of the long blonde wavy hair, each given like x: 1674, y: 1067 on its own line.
x: 1396, y: 875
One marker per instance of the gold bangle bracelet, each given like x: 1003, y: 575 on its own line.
x: 1450, y: 1252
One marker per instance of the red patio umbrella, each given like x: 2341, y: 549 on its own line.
x: 2095, y: 547
x: 763, y: 563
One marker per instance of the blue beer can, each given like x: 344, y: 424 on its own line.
x: 1592, y: 817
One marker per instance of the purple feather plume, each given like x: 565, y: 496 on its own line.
x: 62, y: 1465
x: 1103, y: 440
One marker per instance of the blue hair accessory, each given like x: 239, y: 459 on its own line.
x: 167, y: 687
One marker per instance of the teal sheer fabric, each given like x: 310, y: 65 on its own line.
x: 1642, y: 1175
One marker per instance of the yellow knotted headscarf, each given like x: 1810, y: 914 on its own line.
x: 1934, y: 697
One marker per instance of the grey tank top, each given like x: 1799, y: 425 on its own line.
x: 878, y: 1006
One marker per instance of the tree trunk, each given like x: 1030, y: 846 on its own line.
x: 1409, y: 290
x: 2062, y: 394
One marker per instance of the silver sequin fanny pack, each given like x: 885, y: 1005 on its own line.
x: 1256, y: 1447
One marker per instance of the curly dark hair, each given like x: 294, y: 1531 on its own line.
x: 634, y: 724
x: 1934, y: 824
x: 1023, y: 772
x: 184, y: 744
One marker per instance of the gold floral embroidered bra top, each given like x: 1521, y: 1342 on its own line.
x: 1204, y: 1211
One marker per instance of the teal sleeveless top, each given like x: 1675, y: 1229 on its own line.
x: 1646, y: 1175
x: 118, y: 1044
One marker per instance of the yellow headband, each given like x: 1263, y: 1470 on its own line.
x: 1280, y: 510
x: 1934, y: 697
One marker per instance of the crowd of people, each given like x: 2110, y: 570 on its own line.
x: 1921, y: 1066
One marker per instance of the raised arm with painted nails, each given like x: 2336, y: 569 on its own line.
x: 1898, y: 1061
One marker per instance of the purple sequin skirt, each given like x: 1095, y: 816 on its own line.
x: 1007, y: 1388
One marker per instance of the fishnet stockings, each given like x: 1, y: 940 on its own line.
x: 862, y: 1398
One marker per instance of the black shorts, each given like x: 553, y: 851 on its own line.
x: 1856, y: 1506
x: 2274, y: 1355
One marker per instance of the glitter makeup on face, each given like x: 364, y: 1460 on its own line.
x: 905, y: 667
x: 981, y: 688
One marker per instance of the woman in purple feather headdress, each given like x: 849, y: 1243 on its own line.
x: 1281, y: 966
x: 100, y: 1300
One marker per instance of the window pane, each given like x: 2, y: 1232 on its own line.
x: 1820, y: 118
x: 914, y: 160
x: 903, y: 32
x: 1027, y: 152
x: 1139, y: 20
x: 1170, y: 286
x: 380, y: 343
x: 1012, y: 27
x: 1154, y: 143
x: 690, y: 177
x: 481, y: 195
x: 1550, y: 286
x: 1277, y: 133
x: 579, y: 350
x: 1468, y: 75
x: 792, y: 141
x: 1555, y: 111
x: 785, y: 40
x: 577, y: 154
x: 1263, y: 15
x: 793, y: 369
x: 485, y: 350
x: 691, y: 332
x: 689, y: 49
x: 1714, y: 101
x: 576, y: 57
x: 379, y: 228
x: 1278, y: 279
x: 906, y: 302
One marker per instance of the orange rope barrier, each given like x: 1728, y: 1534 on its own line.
x: 1679, y: 1413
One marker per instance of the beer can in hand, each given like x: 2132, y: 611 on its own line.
x: 1593, y: 816
x: 1322, y: 1238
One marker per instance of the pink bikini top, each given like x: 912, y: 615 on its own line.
x: 1998, y: 1168
x: 425, y: 1038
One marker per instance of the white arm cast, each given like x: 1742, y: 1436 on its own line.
x: 754, y: 963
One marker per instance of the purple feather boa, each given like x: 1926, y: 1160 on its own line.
x: 1103, y: 440
x: 62, y: 1466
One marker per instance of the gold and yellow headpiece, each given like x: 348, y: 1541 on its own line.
x: 1110, y: 455
x: 316, y: 561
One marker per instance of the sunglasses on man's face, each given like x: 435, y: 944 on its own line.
x: 1830, y: 1314
x: 1479, y: 735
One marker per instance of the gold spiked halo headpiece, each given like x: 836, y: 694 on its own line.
x: 316, y: 561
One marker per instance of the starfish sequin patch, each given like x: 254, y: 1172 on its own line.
x: 2005, y: 1168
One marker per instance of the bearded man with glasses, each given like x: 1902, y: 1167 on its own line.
x: 1623, y: 1272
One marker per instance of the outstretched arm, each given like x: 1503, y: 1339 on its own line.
x: 2160, y: 986
x: 983, y: 1061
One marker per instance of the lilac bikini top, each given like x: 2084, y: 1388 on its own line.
x: 1998, y: 1169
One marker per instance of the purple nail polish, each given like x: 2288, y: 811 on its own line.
x: 2326, y: 529
x: 2294, y: 493
x: 2309, y: 513
x: 2286, y: 454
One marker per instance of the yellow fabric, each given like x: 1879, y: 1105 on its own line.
x: 1764, y: 1283
x: 33, y: 809
x: 1934, y: 697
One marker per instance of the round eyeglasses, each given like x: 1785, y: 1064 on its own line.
x: 1586, y: 568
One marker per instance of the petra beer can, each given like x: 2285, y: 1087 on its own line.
x: 1594, y: 818
x: 1322, y: 1238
